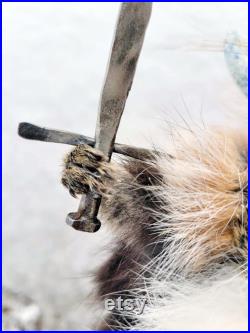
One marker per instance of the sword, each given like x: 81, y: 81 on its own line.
x: 129, y: 36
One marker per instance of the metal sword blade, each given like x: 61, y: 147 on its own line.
x: 127, y: 44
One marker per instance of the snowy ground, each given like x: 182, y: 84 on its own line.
x: 55, y: 56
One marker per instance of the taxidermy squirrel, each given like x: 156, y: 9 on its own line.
x: 181, y: 226
x: 177, y: 218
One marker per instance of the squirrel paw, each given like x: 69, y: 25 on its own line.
x: 86, y: 169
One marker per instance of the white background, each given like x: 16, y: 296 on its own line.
x: 55, y: 56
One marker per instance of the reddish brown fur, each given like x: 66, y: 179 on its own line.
x: 132, y: 206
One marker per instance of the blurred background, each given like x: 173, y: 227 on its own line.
x: 54, y: 61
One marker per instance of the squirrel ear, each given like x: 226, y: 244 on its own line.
x: 235, y: 51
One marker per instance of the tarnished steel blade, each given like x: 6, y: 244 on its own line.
x: 130, y: 31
